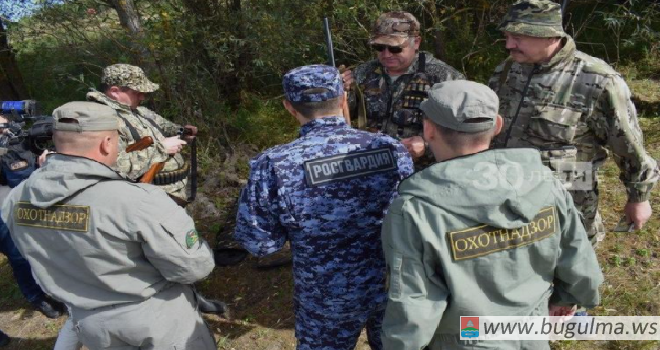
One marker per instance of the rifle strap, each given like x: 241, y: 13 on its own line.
x: 505, y: 72
x: 193, y: 170
x: 134, y: 133
x: 361, y: 108
x: 421, y: 63
x: 155, y: 125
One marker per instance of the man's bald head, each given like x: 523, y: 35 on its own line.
x: 79, y: 144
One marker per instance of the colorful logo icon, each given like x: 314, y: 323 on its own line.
x: 469, y: 327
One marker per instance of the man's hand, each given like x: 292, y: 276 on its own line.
x: 347, y: 78
x: 173, y: 145
x: 638, y: 213
x: 42, y: 158
x: 415, y: 146
x: 192, y: 133
x: 556, y: 310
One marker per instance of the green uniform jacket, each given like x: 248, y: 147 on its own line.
x: 94, y: 239
x: 485, y: 234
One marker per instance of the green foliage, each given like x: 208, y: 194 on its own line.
x: 216, y: 61
x: 632, y: 28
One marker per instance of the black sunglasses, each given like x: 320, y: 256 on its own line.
x: 391, y: 49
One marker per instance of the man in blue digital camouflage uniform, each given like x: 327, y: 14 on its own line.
x: 325, y: 193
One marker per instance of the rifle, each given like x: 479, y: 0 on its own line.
x: 193, y: 161
x: 331, y: 62
x: 149, y: 176
x: 139, y: 145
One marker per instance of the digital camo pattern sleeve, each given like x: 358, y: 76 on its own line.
x: 258, y: 226
x: 416, y: 301
x: 170, y: 241
x: 615, y: 123
x: 577, y: 275
x: 404, y: 161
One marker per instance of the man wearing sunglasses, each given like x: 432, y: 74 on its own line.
x: 391, y: 87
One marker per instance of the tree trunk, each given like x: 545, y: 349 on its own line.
x: 235, y: 81
x: 130, y: 20
x: 12, y: 87
x: 439, y: 50
x: 128, y: 16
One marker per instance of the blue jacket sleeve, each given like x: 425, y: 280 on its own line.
x: 17, y: 166
x: 258, y: 225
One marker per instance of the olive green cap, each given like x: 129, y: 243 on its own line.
x: 462, y: 105
x: 537, y: 18
x: 81, y: 116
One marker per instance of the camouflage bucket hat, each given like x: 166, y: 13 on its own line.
x: 394, y: 28
x: 132, y: 77
x: 537, y: 18
x: 314, y: 83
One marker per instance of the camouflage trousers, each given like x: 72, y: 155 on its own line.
x: 587, y: 203
x: 319, y: 331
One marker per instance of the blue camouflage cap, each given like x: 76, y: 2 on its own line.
x: 313, y: 83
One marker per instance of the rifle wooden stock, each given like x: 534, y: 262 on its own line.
x: 148, y: 177
x: 143, y: 143
x: 347, y: 114
x: 140, y: 144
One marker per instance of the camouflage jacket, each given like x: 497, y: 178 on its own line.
x: 393, y: 106
x: 326, y: 193
x: 146, y: 123
x: 575, y: 108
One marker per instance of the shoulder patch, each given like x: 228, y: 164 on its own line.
x: 483, y: 240
x: 192, y: 237
x: 348, y: 166
x: 18, y: 165
x: 57, y: 217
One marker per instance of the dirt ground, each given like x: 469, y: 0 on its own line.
x: 260, y: 301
